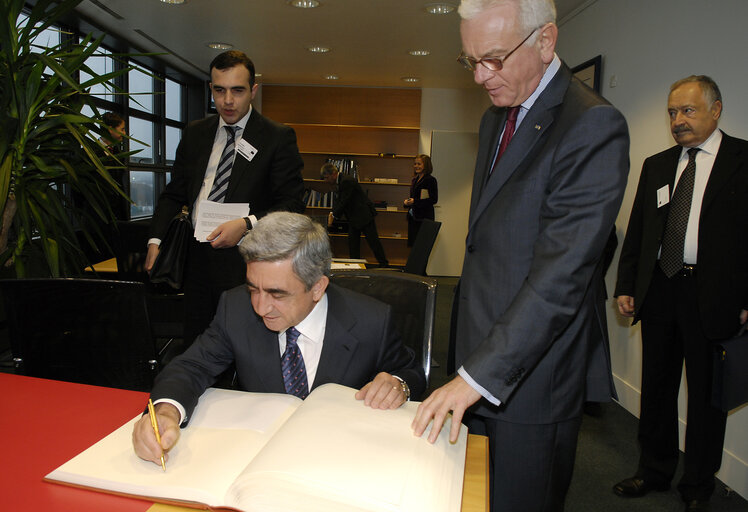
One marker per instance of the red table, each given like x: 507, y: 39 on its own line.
x: 43, y: 423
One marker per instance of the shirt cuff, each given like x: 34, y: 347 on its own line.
x: 480, y: 389
x: 182, y: 411
x: 156, y: 241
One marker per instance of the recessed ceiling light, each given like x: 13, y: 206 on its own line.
x: 331, y: 77
x: 173, y: 1
x: 410, y: 79
x: 318, y: 49
x: 419, y: 53
x: 219, y: 46
x: 440, y: 8
x: 304, y: 4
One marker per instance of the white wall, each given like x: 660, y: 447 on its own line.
x: 646, y: 46
x: 457, y: 111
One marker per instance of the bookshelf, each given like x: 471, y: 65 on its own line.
x: 376, y: 128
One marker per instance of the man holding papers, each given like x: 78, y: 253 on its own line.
x: 238, y: 156
x: 288, y: 331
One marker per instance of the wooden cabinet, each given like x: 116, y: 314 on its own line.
x: 377, y: 128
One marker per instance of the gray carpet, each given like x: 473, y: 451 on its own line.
x: 607, y: 450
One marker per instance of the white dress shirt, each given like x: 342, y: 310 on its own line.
x: 219, y: 142
x: 704, y: 163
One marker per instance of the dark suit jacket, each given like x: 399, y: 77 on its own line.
x: 271, y: 181
x: 722, y: 258
x: 360, y: 341
x: 527, y: 328
x: 351, y: 201
x: 424, y: 208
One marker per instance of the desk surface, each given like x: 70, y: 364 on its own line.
x: 45, y: 423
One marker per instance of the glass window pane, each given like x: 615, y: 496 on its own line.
x: 141, y: 90
x: 173, y: 100
x: 173, y: 136
x: 142, y: 193
x: 101, y: 64
x: 47, y: 38
x: 143, y: 131
x: 168, y: 177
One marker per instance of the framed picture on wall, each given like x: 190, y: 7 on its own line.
x: 589, y: 73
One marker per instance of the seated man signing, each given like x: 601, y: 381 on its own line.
x: 288, y: 331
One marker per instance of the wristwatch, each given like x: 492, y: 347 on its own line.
x: 248, y: 223
x: 404, y: 387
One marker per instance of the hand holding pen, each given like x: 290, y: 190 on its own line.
x: 144, y: 436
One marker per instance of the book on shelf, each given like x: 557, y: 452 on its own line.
x: 345, y: 165
x: 271, y: 452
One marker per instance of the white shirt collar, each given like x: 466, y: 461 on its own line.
x: 313, y: 326
x: 709, y: 146
x: 553, y: 68
x: 241, y: 123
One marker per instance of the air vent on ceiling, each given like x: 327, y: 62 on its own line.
x: 103, y: 7
x: 169, y: 51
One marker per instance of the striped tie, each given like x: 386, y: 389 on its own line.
x: 223, y: 172
x: 292, y: 366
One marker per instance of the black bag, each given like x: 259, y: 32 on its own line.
x: 729, y: 376
x: 169, y: 265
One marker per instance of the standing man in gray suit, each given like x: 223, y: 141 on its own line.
x: 549, y: 178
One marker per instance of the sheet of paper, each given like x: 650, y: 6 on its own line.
x: 210, y: 215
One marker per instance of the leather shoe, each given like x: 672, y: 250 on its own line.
x: 636, y: 487
x: 697, y: 506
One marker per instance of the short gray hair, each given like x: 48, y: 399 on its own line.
x: 532, y: 13
x: 708, y: 87
x: 280, y: 236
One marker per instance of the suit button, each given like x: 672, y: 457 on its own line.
x: 471, y: 248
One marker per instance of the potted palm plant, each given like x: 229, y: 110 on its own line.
x: 55, y: 182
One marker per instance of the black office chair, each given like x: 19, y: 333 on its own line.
x: 90, y: 331
x: 413, y: 301
x: 418, y: 258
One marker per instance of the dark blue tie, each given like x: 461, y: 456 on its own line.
x: 292, y: 366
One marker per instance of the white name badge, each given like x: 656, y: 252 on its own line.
x: 663, y: 196
x: 246, y: 149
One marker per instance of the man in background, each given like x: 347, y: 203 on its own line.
x: 350, y: 201
x: 238, y: 156
x: 683, y: 272
x: 549, y: 178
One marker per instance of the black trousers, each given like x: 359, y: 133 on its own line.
x: 671, y: 332
x: 208, y: 273
x: 372, y: 238
x: 531, y: 465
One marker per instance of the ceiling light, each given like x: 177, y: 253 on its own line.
x: 331, y: 77
x: 304, y: 4
x: 318, y: 49
x: 419, y: 53
x: 173, y: 1
x: 440, y: 8
x: 219, y: 46
x: 410, y: 79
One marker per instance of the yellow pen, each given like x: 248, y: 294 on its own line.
x: 154, y: 424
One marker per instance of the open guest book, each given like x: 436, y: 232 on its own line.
x: 271, y: 452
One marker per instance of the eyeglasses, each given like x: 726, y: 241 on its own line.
x: 490, y: 63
